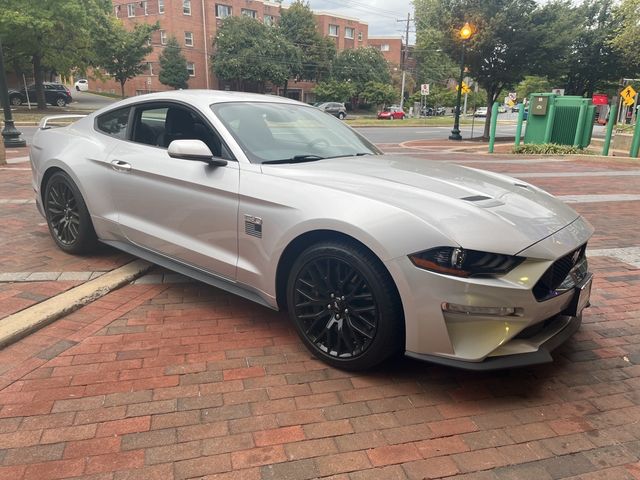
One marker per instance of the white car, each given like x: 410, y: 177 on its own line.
x: 274, y: 200
x: 481, y: 112
x: 82, y: 85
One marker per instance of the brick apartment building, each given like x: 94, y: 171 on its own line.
x: 194, y: 23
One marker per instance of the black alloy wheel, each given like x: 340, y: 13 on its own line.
x: 344, y: 307
x: 67, y: 215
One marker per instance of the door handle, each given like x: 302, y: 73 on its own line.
x: 120, y: 166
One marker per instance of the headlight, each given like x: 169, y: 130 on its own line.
x: 465, y: 263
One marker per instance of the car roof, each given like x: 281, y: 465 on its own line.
x: 204, y: 98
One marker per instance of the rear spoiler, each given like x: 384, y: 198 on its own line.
x: 44, y: 122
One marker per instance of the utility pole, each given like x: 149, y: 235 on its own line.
x: 403, y: 59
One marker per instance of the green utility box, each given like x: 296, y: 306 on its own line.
x: 566, y: 120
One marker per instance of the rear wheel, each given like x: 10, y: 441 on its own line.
x: 344, y: 306
x: 16, y: 101
x: 67, y: 215
x: 61, y: 102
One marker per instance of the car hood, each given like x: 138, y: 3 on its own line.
x: 476, y: 209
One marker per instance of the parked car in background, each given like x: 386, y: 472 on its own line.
x: 82, y: 85
x: 371, y: 254
x: 391, y: 113
x: 334, y: 108
x: 480, y: 112
x: 430, y: 111
x: 55, y: 94
x: 502, y: 109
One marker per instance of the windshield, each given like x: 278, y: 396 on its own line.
x: 278, y: 132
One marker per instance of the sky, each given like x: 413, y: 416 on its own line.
x: 381, y: 15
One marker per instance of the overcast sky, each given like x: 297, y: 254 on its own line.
x: 381, y: 15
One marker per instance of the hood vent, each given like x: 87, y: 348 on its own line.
x: 483, y: 201
x: 475, y: 198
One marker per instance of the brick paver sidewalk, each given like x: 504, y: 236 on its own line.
x: 180, y: 380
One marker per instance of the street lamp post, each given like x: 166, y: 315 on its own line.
x: 465, y: 34
x: 10, y: 135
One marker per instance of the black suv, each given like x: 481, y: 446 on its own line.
x: 334, y: 108
x: 54, y: 93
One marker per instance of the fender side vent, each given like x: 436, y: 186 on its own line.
x: 475, y: 198
x: 253, y: 226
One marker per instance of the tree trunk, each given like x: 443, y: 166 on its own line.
x: 122, y: 82
x: 492, y: 96
x: 39, y: 78
x: 285, y: 87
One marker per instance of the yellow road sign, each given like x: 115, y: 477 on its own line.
x: 628, y: 96
x: 465, y: 88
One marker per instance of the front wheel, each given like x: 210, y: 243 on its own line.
x: 344, y: 306
x: 67, y: 216
x: 341, y: 116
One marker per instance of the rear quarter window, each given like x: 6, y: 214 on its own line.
x: 114, y: 123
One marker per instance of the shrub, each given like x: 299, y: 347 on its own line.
x: 549, y: 148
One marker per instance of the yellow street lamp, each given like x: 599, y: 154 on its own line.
x: 465, y: 34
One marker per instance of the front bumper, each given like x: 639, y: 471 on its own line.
x: 481, y: 342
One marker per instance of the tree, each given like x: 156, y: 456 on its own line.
x: 360, y: 66
x: 298, y: 25
x: 334, y: 91
x: 121, y: 52
x: 505, y: 43
x: 52, y: 35
x: 533, y: 84
x: 173, y: 66
x: 626, y: 39
x: 379, y: 94
x: 250, y: 54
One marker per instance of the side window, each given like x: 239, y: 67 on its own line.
x: 114, y: 123
x: 159, y: 125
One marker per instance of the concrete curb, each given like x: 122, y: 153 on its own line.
x: 20, y: 324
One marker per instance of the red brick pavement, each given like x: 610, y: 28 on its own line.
x: 184, y: 381
x: 28, y: 247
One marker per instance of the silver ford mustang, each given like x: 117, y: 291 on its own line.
x: 278, y: 202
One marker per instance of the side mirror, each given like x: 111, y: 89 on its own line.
x: 195, y: 150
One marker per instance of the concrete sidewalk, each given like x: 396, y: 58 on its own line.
x: 169, y: 379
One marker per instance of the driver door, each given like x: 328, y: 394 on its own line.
x: 185, y: 210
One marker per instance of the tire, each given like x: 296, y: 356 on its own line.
x: 60, y: 102
x: 77, y: 88
x: 344, y: 306
x: 16, y: 101
x: 341, y: 116
x: 67, y: 216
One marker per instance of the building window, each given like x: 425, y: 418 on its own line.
x: 160, y: 6
x: 248, y: 13
x: 149, y: 69
x: 359, y: 36
x: 131, y: 9
x: 333, y: 30
x: 146, y: 10
x: 269, y: 20
x: 223, y: 11
x: 191, y: 68
x: 186, y: 7
x: 384, y: 47
x: 188, y: 39
x: 163, y: 37
x: 348, y: 32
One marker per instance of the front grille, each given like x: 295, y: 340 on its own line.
x: 549, y: 284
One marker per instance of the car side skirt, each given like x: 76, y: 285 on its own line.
x: 189, y: 271
x: 540, y: 356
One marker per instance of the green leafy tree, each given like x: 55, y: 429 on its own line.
x: 298, y: 25
x: 627, y: 36
x: 360, y: 66
x: 532, y: 84
x: 121, y: 52
x: 54, y: 35
x: 379, y: 94
x: 596, y: 60
x: 334, y: 91
x: 250, y: 54
x: 173, y: 66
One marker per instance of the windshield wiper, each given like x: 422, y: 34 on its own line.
x: 358, y: 154
x: 296, y: 159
